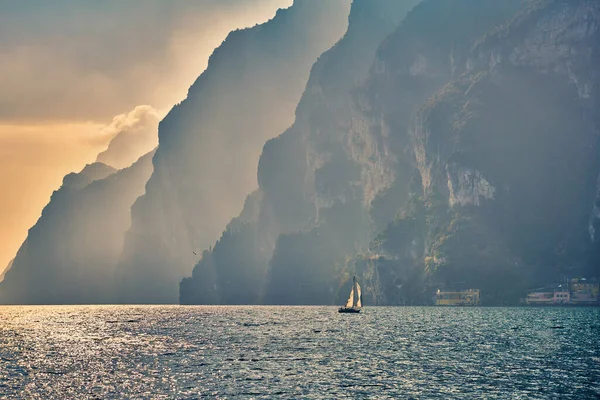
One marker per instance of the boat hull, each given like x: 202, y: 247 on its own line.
x: 348, y: 310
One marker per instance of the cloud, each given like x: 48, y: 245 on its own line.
x: 73, y: 60
x: 134, y: 134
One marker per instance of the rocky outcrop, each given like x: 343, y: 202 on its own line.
x: 70, y: 254
x: 210, y: 143
x: 467, y: 186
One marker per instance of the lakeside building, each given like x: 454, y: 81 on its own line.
x: 469, y: 297
x: 540, y: 297
x: 584, y: 291
x: 576, y: 291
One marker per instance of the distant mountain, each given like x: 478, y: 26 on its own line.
x: 466, y: 157
x: 209, y: 144
x: 307, y: 183
x: 70, y: 254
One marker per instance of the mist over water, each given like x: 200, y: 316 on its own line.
x: 298, y: 352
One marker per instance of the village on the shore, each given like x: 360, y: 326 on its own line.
x: 571, y: 292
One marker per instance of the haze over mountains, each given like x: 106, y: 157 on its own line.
x: 304, y: 210
x: 438, y: 142
x: 466, y: 156
x: 70, y: 67
x: 69, y: 256
x: 209, y: 147
x: 210, y: 143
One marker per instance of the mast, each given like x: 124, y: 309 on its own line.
x: 353, y: 291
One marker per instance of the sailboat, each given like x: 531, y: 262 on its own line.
x: 354, y: 303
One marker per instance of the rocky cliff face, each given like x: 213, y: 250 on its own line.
x: 507, y: 160
x: 311, y: 187
x: 468, y: 156
x: 209, y: 144
x: 70, y: 254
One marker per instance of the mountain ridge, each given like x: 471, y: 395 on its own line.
x: 420, y: 194
x: 247, y: 95
x: 293, y: 167
x: 70, y: 253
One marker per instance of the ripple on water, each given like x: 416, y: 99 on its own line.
x: 291, y: 352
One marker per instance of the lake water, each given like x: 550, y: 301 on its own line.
x: 298, y: 352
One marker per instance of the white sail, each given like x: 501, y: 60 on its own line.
x: 350, y: 301
x: 359, y: 296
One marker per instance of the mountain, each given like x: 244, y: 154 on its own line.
x: 508, y: 156
x: 70, y: 254
x: 466, y: 157
x: 498, y: 184
x: 209, y: 144
x: 306, y: 177
x: 437, y: 144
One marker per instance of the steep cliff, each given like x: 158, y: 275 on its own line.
x: 507, y: 162
x: 467, y: 156
x: 210, y: 143
x: 70, y: 254
x: 310, y: 210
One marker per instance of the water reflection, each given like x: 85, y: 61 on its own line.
x: 299, y: 352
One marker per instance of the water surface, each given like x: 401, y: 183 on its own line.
x: 298, y: 352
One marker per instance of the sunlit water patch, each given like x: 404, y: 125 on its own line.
x: 298, y: 352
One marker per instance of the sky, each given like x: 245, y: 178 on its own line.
x: 75, y: 73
